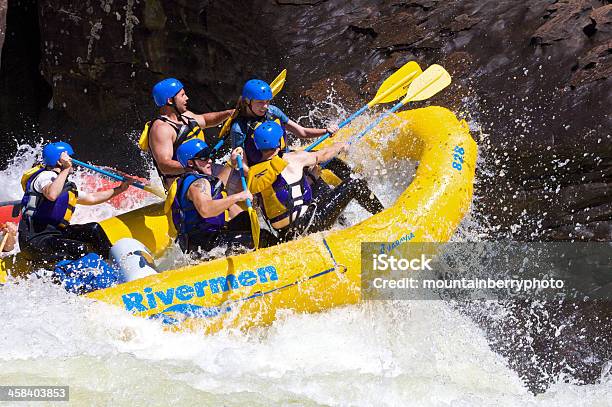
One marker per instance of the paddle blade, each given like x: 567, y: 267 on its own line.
x: 254, y: 226
x: 278, y: 82
x: 155, y: 191
x: 431, y: 81
x: 395, y: 86
x: 228, y: 123
x: 170, y: 198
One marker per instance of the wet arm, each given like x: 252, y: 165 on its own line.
x: 304, y: 132
x: 309, y: 159
x: 99, y: 197
x: 10, y: 229
x: 54, y: 189
x: 161, y: 145
x: 199, y: 194
x: 210, y: 119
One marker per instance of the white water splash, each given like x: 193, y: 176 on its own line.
x: 375, y: 353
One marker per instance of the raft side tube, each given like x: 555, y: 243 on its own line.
x: 319, y: 271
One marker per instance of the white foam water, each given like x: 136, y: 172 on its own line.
x: 376, y: 353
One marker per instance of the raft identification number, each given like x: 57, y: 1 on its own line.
x: 458, y: 153
x: 218, y: 285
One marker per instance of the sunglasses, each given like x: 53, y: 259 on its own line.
x: 205, y: 154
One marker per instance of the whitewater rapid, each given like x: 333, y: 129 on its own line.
x: 421, y: 353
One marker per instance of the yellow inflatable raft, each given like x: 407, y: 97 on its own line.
x: 316, y: 272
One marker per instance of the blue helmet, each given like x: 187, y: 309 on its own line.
x: 268, y: 135
x: 194, y: 148
x: 51, y: 152
x: 256, y: 89
x: 166, y: 89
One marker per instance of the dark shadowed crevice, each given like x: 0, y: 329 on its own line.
x: 590, y: 29
x: 23, y: 91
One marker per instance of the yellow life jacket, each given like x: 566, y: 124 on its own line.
x: 279, y: 199
x: 182, y: 133
x: 28, y: 174
x: 261, y: 176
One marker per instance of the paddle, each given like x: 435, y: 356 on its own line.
x: 276, y: 85
x: 148, y: 188
x: 391, y: 89
x: 431, y: 81
x: 11, y: 203
x: 252, y: 213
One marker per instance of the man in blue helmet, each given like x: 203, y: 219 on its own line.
x: 204, y: 215
x: 174, y: 125
x: 49, y: 200
x: 285, y: 195
x: 254, y: 108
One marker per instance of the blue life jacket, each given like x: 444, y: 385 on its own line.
x: 184, y: 214
x: 38, y: 211
x: 248, y: 126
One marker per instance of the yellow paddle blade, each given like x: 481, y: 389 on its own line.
x: 278, y: 82
x: 395, y: 86
x: 155, y: 191
x: 431, y: 81
x: 254, y: 226
x: 170, y: 198
x: 228, y: 123
x: 143, y: 141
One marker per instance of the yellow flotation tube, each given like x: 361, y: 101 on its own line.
x: 319, y: 271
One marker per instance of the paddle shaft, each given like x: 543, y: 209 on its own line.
x: 243, y: 179
x: 341, y: 125
x: 114, y: 176
x: 377, y: 121
x: 104, y: 172
x: 252, y: 214
x: 371, y: 103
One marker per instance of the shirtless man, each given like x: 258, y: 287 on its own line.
x: 174, y: 125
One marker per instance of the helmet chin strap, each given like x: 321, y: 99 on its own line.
x: 195, y: 167
x: 173, y: 106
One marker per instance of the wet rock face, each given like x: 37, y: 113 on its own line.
x: 103, y: 57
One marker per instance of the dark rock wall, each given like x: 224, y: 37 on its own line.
x: 102, y: 58
x: 110, y: 53
x: 24, y: 93
x: 3, y: 7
